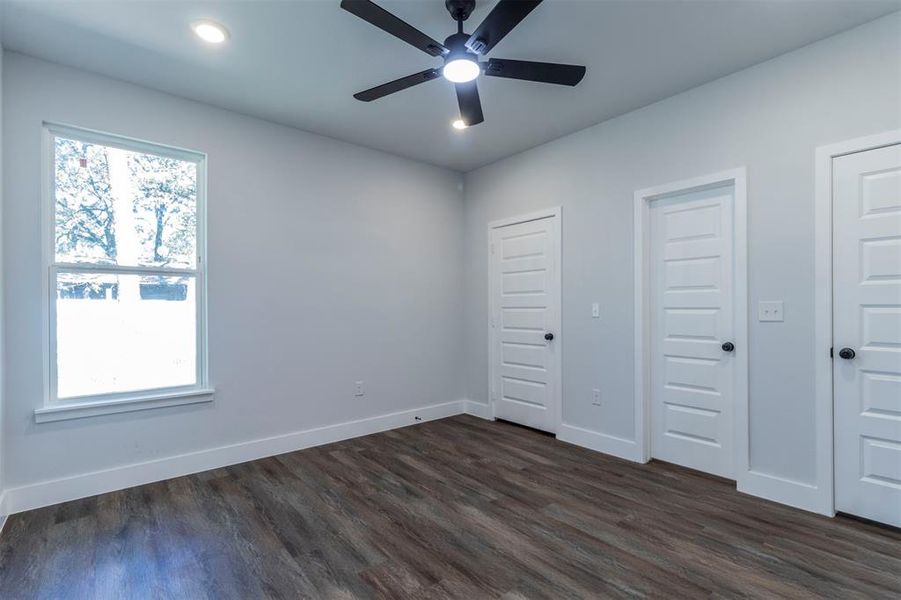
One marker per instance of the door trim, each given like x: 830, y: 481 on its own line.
x: 822, y: 496
x: 738, y: 179
x: 554, y: 213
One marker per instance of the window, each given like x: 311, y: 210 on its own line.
x: 126, y: 306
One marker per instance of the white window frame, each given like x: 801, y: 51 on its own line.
x: 55, y: 408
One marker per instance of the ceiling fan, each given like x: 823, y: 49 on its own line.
x: 461, y: 52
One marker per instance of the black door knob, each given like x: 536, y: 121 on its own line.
x: 847, y: 353
x: 548, y: 336
x: 728, y: 347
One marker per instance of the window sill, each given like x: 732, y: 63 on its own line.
x: 93, y: 408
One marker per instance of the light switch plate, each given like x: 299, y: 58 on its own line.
x: 595, y: 311
x: 770, y: 310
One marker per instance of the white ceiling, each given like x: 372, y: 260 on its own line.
x: 299, y: 62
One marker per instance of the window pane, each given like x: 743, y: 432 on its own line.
x: 121, y: 207
x: 124, y: 333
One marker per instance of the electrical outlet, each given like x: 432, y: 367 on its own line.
x: 358, y: 388
x: 595, y: 311
x: 596, y: 397
x: 770, y: 310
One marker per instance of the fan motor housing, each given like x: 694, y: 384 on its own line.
x: 456, y: 43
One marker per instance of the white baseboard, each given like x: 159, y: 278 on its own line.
x: 45, y: 493
x: 786, y: 491
x: 601, y: 442
x: 478, y: 409
x: 14, y: 500
x: 3, y: 511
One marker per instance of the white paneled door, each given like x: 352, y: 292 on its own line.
x: 525, y: 322
x: 692, y: 352
x: 867, y: 333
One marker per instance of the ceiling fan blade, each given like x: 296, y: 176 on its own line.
x: 381, y: 18
x: 500, y: 21
x: 535, y: 71
x: 397, y: 85
x: 470, y: 105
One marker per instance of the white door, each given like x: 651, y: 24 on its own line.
x: 691, y: 308
x: 525, y: 322
x: 866, y: 242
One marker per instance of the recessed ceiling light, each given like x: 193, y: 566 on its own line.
x: 210, y: 31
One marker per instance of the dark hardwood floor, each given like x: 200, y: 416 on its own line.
x: 458, y: 508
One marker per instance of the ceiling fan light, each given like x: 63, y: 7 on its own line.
x: 461, y: 70
x: 459, y: 124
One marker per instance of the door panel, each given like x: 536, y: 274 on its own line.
x: 867, y: 319
x: 691, y: 300
x: 525, y: 286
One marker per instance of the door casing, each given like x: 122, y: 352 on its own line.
x: 737, y: 178
x: 555, y: 214
x: 821, y: 496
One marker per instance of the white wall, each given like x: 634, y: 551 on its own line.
x: 2, y: 403
x: 328, y: 263
x: 769, y: 118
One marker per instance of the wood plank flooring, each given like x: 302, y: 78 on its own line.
x: 457, y: 508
